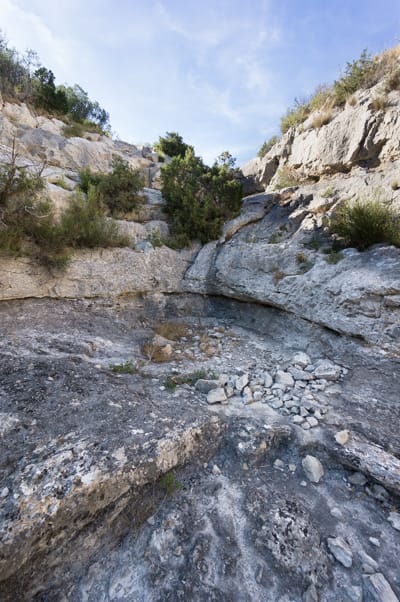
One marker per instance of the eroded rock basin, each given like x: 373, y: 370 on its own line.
x: 127, y: 485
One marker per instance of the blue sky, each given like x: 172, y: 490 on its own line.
x: 219, y: 72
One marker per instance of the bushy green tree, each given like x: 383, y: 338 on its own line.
x: 172, y: 145
x: 199, y: 198
x: 47, y: 96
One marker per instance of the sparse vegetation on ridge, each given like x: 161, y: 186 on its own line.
x: 23, y: 79
x: 267, y: 145
x: 362, y: 73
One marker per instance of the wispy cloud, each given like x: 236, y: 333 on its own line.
x: 219, y: 73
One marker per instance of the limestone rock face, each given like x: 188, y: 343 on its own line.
x: 357, y: 135
x: 97, y: 273
x: 271, y: 261
x: 41, y: 142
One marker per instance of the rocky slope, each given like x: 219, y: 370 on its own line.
x: 260, y: 459
x: 274, y: 254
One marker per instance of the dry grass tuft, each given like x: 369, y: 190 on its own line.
x: 322, y: 118
x: 379, y: 103
x: 171, y: 330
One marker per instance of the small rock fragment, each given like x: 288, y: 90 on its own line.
x: 242, y: 381
x: 4, y: 492
x: 357, y: 478
x: 284, y: 378
x: 342, y: 437
x: 336, y: 512
x: 268, y: 380
x: 375, y: 542
x: 311, y: 594
x: 326, y: 370
x: 301, y: 359
x: 276, y: 404
x: 394, y: 520
x: 216, y: 396
x: 205, y: 386
x: 369, y: 565
x: 341, y: 551
x: 378, y: 492
x: 279, y: 464
x: 313, y: 468
x: 229, y: 391
x: 301, y: 374
x: 247, y: 396
x: 297, y: 419
x: 312, y: 421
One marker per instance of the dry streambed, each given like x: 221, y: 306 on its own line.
x: 234, y: 454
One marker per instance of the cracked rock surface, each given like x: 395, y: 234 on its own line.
x: 119, y: 481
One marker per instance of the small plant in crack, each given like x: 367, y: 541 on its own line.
x: 170, y: 484
x: 127, y: 367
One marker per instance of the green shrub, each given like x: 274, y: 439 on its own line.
x: 199, y: 199
x: 287, y: 177
x: 172, y: 381
x: 302, y: 108
x: 267, y: 145
x: 333, y: 256
x: 116, y: 191
x: 81, y: 225
x: 328, y: 192
x: 362, y: 224
x: 295, y: 115
x: 321, y: 98
x: 28, y: 224
x: 74, y: 130
x: 170, y: 484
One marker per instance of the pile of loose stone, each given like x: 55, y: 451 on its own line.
x: 291, y: 391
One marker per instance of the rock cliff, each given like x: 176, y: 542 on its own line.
x: 214, y: 424
x: 278, y: 253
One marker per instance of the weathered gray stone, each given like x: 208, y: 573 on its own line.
x: 205, y: 386
x: 311, y: 595
x: 300, y: 374
x: 241, y: 381
x: 372, y: 460
x: 369, y: 565
x: 341, y: 551
x: 284, y: 379
x: 379, y: 588
x: 216, y: 396
x: 394, y: 520
x: 268, y: 381
x: 301, y: 359
x: 313, y: 468
x: 357, y: 478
